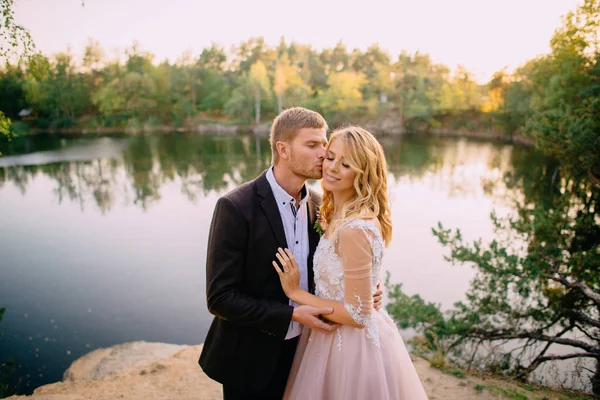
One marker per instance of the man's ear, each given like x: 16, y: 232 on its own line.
x: 283, y: 149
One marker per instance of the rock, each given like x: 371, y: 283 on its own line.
x: 85, y: 366
x: 117, y: 359
x: 134, y: 371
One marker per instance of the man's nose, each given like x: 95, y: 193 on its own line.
x: 322, y: 153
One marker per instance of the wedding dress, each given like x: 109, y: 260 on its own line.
x: 353, y: 363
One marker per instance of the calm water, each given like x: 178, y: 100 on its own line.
x: 103, y: 239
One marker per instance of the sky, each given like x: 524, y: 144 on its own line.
x: 482, y: 35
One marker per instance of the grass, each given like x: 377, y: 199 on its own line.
x: 536, y: 392
x: 459, y: 373
x: 505, y: 387
x: 510, y: 389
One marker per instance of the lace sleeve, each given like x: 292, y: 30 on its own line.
x: 356, y: 252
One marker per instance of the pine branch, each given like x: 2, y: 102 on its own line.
x: 589, y: 292
x: 584, y: 318
x: 533, y: 335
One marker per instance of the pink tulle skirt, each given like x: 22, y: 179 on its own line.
x: 349, y: 365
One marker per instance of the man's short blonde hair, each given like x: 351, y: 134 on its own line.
x: 288, y: 123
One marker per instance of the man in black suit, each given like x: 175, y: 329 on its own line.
x: 251, y: 343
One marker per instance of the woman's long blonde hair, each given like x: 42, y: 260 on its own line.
x: 364, y: 154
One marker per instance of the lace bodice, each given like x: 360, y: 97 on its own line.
x: 347, y: 268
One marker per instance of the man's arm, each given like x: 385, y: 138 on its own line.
x: 224, y: 271
x: 378, y: 297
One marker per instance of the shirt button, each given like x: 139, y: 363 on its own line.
x: 296, y: 242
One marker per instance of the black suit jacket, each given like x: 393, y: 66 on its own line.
x: 252, y: 313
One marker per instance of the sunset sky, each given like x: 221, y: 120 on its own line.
x: 482, y: 35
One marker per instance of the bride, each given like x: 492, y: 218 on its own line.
x: 366, y: 357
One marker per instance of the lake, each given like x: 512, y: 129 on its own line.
x: 103, y: 239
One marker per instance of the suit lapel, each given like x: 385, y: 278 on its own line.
x: 271, y: 210
x: 269, y: 206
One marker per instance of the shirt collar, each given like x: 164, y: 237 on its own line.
x: 281, y: 195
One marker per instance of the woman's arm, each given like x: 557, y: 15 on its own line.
x: 355, y: 251
x: 339, y: 315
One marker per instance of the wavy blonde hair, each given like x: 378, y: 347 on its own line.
x: 364, y: 154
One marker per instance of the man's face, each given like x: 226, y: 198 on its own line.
x: 307, y: 151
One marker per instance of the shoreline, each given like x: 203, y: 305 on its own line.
x: 263, y: 130
x: 149, y: 371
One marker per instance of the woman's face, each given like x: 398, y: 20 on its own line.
x: 337, y: 174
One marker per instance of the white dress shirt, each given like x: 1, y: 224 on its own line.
x: 295, y: 225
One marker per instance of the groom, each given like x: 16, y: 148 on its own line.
x: 251, y: 343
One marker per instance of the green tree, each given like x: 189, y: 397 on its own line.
x: 537, y: 284
x: 214, y: 81
x: 183, y: 89
x: 12, y: 96
x: 336, y: 59
x: 417, y: 87
x: 461, y: 92
x: 4, y: 125
x: 518, y: 100
x: 254, y: 88
x: 260, y: 85
x: 93, y: 56
x: 250, y: 52
x: 130, y: 93
x: 343, y: 94
x: 55, y: 90
x: 289, y: 86
x: 12, y: 35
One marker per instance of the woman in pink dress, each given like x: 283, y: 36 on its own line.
x: 366, y: 357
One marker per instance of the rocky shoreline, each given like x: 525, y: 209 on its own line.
x: 152, y: 371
